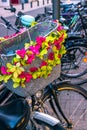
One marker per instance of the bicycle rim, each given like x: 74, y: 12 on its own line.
x: 73, y: 103
x: 73, y: 64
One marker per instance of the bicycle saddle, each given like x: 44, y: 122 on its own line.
x: 14, y: 115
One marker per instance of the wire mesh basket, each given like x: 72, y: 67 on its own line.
x: 9, y: 47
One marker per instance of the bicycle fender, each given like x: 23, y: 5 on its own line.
x: 46, y: 118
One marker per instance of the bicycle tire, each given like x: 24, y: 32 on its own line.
x: 65, y: 101
x: 71, y: 97
x: 73, y: 64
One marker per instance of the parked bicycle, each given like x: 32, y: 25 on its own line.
x: 73, y: 19
x: 73, y: 64
x: 19, y: 117
x: 59, y: 94
x: 73, y: 60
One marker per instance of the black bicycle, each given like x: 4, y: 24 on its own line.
x: 73, y: 62
x: 68, y: 102
x: 62, y: 100
x: 16, y: 113
x: 10, y: 101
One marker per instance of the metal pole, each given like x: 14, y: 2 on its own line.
x: 47, y: 1
x: 43, y: 2
x: 22, y: 3
x: 56, y: 9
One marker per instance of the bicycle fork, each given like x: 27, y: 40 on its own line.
x: 54, y: 93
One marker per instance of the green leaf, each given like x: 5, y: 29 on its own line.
x: 15, y: 85
x: 12, y: 69
x: 7, y: 77
x: 1, y: 78
x: 16, y: 59
x: 34, y: 75
x: 49, y: 68
x: 17, y: 80
x: 43, y: 52
x: 9, y: 65
x: 23, y: 62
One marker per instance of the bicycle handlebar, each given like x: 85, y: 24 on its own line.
x: 12, y: 9
x: 6, y: 21
x: 8, y: 24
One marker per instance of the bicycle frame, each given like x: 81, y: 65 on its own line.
x: 48, y: 91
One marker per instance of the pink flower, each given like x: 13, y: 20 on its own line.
x: 40, y: 40
x: 4, y: 70
x: 22, y: 75
x: 59, y: 56
x: 34, y: 49
x: 51, y: 56
x: 26, y: 75
x: 60, y: 39
x: 57, y: 43
x: 30, y: 59
x: 21, y: 52
x: 60, y: 28
x: 43, y: 63
x: 33, y: 69
x: 6, y: 37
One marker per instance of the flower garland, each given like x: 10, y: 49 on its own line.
x: 48, y: 49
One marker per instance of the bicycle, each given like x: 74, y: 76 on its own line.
x: 72, y: 18
x: 73, y: 60
x: 22, y: 20
x: 70, y: 61
x: 20, y: 122
x: 67, y: 107
x: 50, y: 94
x: 19, y: 117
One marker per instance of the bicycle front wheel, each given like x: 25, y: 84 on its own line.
x: 73, y: 103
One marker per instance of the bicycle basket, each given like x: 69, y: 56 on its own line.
x: 10, y: 45
x: 41, y: 29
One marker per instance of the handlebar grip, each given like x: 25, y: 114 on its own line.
x: 5, y: 20
x: 6, y: 8
x: 12, y: 9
